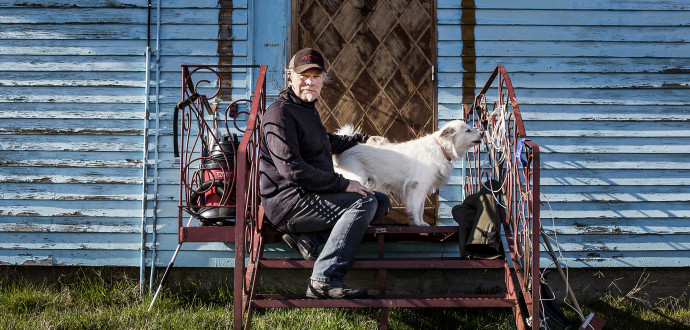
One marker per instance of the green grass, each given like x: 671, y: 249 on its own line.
x: 91, y: 302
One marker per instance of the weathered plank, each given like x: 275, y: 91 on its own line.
x: 585, y: 97
x: 69, y: 159
x: 18, y: 15
x: 603, y: 145
x: 38, y: 191
x: 564, y: 63
x: 117, y: 4
x: 595, y: 194
x: 69, y: 258
x: 70, y: 208
x: 615, y: 162
x: 120, y: 48
x: 561, y: 17
x: 109, y: 31
x: 71, y: 127
x: 611, y: 209
x: 629, y: 259
x: 30, y: 227
x: 584, y: 80
x: 575, y: 5
x: 93, y: 113
x: 72, y: 143
x: 501, y: 32
x: 570, y: 112
x: 112, y: 31
x: 42, y: 63
x: 571, y: 48
x: 627, y: 226
x: 74, y: 79
x: 95, y: 175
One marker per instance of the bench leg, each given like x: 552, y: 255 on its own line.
x: 513, y: 294
x: 384, y: 318
x: 253, y: 274
x: 238, y: 283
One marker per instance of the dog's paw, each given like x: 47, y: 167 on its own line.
x: 420, y: 224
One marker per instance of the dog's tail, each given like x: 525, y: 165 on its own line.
x: 348, y: 129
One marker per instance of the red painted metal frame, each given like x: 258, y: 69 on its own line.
x: 512, y: 160
x: 520, y: 220
x: 205, y: 117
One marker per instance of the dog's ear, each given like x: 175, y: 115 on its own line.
x: 448, y: 132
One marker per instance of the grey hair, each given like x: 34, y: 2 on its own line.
x: 326, y: 76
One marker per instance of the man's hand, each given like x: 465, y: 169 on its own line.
x: 375, y: 140
x: 357, y: 187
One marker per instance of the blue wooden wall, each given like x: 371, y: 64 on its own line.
x: 71, y: 133
x: 602, y: 86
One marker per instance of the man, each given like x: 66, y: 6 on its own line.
x: 301, y: 194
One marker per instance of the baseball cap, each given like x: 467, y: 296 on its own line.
x: 305, y: 59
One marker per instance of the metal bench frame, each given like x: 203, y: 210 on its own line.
x: 516, y: 164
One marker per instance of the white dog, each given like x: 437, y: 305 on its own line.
x: 408, y: 171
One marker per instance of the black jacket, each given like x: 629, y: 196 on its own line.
x: 296, y: 155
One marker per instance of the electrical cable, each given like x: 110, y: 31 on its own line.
x: 560, y: 257
x: 497, y: 139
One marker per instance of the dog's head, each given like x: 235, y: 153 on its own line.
x: 459, y: 136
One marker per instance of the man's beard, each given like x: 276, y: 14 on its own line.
x: 310, y: 97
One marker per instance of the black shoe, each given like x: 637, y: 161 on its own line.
x: 324, y: 290
x: 303, y: 244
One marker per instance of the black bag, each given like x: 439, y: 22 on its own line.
x: 480, y: 224
x: 552, y: 317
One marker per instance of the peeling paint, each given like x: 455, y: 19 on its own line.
x: 72, y: 214
x: 39, y: 262
x: 666, y: 85
x: 24, y: 228
x: 589, y: 259
x: 71, y: 131
x: 26, y: 214
x: 109, y: 4
x: 676, y: 70
x: 99, y: 198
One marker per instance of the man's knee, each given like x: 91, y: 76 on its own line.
x: 383, y: 206
x: 368, y: 201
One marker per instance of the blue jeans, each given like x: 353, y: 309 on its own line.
x: 339, y: 220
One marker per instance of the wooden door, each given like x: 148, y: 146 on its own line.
x: 381, y: 57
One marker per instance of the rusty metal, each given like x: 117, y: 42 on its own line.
x: 198, y: 121
x: 521, y: 216
x: 200, y: 125
x: 519, y: 177
x: 511, y: 159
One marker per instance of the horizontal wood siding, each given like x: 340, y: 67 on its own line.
x: 602, y: 87
x: 191, y: 35
x: 72, y: 94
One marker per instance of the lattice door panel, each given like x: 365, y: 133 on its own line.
x: 380, y: 57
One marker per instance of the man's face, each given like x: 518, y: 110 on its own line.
x: 307, y: 85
